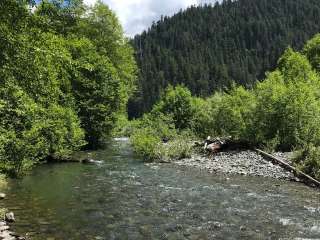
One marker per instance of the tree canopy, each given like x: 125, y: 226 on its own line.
x: 62, y: 87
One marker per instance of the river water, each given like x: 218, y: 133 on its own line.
x: 123, y: 198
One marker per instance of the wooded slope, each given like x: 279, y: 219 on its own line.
x: 208, y: 47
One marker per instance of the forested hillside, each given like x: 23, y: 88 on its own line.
x: 208, y: 47
x: 66, y: 71
x: 282, y: 112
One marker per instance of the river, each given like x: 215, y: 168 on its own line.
x: 123, y: 198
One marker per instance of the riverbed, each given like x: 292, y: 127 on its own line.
x: 124, y: 198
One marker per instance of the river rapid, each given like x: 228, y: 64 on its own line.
x: 124, y: 198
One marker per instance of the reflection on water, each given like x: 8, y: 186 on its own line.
x: 124, y: 199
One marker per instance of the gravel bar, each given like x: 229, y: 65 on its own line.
x: 240, y: 162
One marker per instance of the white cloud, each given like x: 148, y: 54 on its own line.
x: 137, y: 15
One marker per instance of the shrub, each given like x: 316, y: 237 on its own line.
x: 308, y: 160
x: 202, y: 122
x: 152, y: 148
x: 175, y: 150
x: 287, y: 105
x: 145, y: 143
x: 233, y: 114
x: 176, y: 102
x: 150, y: 132
x: 29, y: 132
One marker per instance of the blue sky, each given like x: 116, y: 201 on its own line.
x: 138, y: 15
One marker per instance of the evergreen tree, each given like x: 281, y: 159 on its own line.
x: 208, y: 47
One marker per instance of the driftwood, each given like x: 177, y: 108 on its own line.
x: 222, y: 144
x: 285, y: 165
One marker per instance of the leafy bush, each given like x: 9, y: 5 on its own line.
x: 29, y: 132
x: 149, y: 134
x: 308, y: 160
x: 233, y: 114
x: 146, y: 143
x: 202, y: 122
x: 152, y: 148
x: 287, y: 105
x: 65, y: 75
x: 175, y: 149
x: 176, y: 102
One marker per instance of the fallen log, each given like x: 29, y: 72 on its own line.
x: 216, y: 145
x: 297, y: 172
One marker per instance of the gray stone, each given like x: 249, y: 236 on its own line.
x: 9, y: 217
x: 243, y: 228
x: 2, y: 195
x: 3, y: 228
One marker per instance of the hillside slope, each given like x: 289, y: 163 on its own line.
x: 208, y: 47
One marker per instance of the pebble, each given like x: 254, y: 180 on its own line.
x: 238, y: 162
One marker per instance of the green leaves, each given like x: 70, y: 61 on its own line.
x: 59, y: 87
x: 177, y: 102
x: 312, y: 51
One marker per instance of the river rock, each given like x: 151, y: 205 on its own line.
x: 3, y: 228
x: 9, y: 217
x: 2, y: 195
x: 243, y: 228
x: 237, y: 162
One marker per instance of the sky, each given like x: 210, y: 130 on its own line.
x: 137, y: 15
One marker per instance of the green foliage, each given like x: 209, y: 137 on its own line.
x: 287, y: 104
x: 312, y: 51
x: 267, y: 115
x: 123, y: 127
x: 308, y: 160
x: 207, y: 47
x: 179, y: 148
x: 152, y: 148
x: 281, y: 112
x: 30, y: 132
x: 62, y: 87
x: 233, y: 114
x: 146, y: 143
x: 202, y: 122
x: 176, y: 102
x: 96, y: 88
x: 103, y: 29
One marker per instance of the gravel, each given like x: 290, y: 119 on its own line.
x: 240, y: 162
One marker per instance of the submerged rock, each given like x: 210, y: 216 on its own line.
x: 90, y: 161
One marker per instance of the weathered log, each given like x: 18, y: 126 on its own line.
x: 223, y: 144
x: 297, y: 172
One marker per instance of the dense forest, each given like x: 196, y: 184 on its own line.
x: 209, y: 47
x: 66, y: 72
x: 282, y: 112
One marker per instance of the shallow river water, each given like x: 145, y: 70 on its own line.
x: 123, y: 198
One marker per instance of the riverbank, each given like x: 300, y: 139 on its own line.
x: 7, y: 217
x: 239, y: 162
x: 123, y: 196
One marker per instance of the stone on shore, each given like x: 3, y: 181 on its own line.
x: 237, y: 162
x: 2, y: 195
